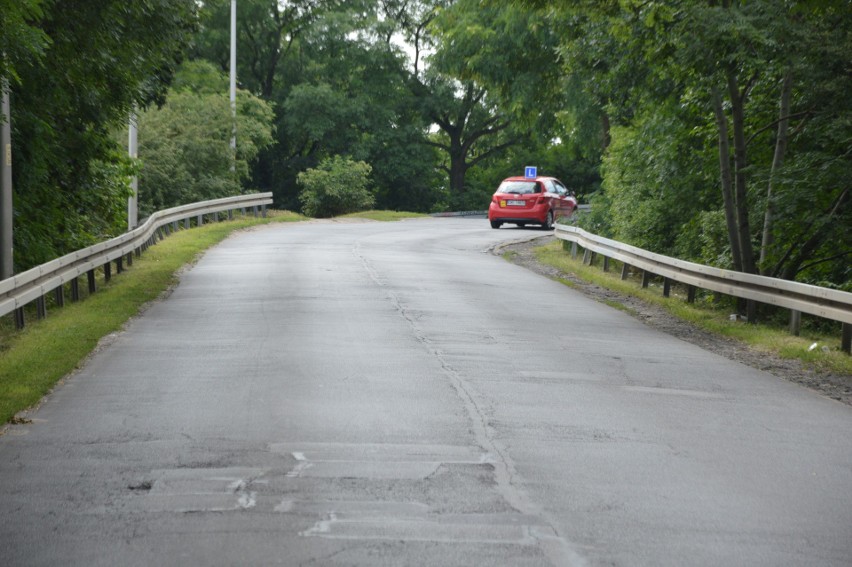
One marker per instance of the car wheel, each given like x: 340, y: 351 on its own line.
x: 548, y: 221
x: 495, y: 224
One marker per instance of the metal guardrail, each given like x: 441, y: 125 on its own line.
x: 35, y: 284
x: 800, y: 298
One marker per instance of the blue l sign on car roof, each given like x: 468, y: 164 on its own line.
x: 531, y: 172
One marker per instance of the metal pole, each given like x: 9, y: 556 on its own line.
x: 6, y: 243
x: 233, y: 83
x: 133, y: 151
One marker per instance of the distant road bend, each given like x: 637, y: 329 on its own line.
x: 370, y: 394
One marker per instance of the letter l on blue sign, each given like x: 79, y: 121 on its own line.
x: 530, y: 172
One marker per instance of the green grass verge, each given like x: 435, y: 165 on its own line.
x: 706, y: 315
x: 384, y: 216
x: 33, y: 360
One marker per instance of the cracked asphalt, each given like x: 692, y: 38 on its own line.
x: 394, y: 394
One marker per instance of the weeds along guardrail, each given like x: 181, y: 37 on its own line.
x: 799, y: 298
x: 35, y: 284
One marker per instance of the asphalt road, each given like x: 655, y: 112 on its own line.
x: 393, y: 394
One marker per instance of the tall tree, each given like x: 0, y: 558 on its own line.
x: 101, y: 57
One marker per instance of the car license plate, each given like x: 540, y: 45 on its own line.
x: 516, y: 203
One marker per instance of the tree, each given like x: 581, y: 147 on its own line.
x: 184, y: 146
x: 100, y: 59
x: 752, y: 86
x: 21, y: 38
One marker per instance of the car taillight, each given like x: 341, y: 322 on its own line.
x: 540, y: 201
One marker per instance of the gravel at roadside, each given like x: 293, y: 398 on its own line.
x: 837, y: 387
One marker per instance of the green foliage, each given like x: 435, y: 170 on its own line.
x: 337, y: 187
x: 22, y: 41
x: 85, y: 66
x: 184, y: 145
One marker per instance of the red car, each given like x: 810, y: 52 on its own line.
x: 523, y: 201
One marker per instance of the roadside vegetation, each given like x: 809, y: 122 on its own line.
x: 715, y: 132
x: 384, y: 216
x: 712, y: 313
x: 33, y: 360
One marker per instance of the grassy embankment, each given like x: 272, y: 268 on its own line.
x: 709, y: 316
x: 33, y: 360
x: 384, y: 215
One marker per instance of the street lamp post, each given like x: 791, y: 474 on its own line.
x: 233, y: 84
x: 6, y: 219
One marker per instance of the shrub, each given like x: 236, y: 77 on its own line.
x: 338, y: 186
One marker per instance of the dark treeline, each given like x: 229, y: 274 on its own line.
x: 717, y: 131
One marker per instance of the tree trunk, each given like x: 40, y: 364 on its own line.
x: 777, y: 162
x: 740, y: 163
x: 725, y: 178
x: 458, y: 165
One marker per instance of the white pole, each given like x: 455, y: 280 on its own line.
x: 133, y: 151
x: 234, y: 82
x: 6, y: 219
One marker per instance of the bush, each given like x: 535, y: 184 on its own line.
x: 337, y: 187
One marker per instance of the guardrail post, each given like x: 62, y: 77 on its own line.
x: 175, y: 226
x: 243, y: 211
x: 667, y: 287
x: 646, y: 278
x: 41, y: 307
x: 574, y: 250
x: 751, y: 311
x: 199, y: 220
x: 254, y: 208
x: 690, y: 294
x: 107, y: 272
x: 119, y: 264
x: 90, y: 275
x: 19, y: 318
x: 795, y: 322
x: 75, y: 290
x: 129, y: 259
x: 606, y: 264
x: 586, y: 254
x: 59, y: 295
x: 625, y: 271
x: 230, y: 214
x: 263, y: 211
x: 846, y: 338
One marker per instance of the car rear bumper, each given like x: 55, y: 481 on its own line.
x: 535, y: 214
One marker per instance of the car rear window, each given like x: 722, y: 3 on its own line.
x: 519, y: 187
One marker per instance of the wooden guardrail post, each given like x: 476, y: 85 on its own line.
x: 625, y: 271
x: 606, y: 264
x: 846, y: 338
x: 59, y: 296
x: 690, y: 294
x: 107, y: 272
x: 75, y: 290
x: 41, y: 307
x: 646, y: 278
x: 667, y: 287
x: 19, y: 318
x: 90, y: 276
